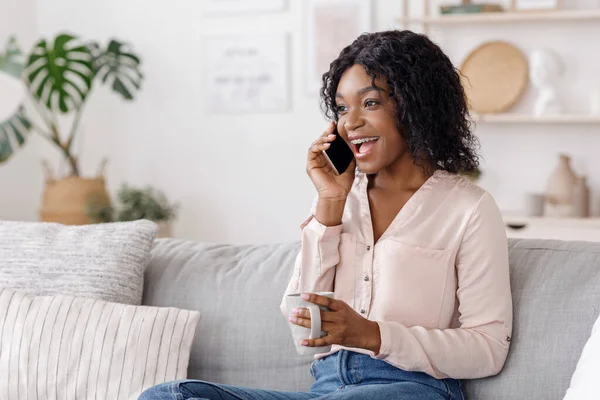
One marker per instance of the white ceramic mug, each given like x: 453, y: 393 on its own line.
x: 300, y: 333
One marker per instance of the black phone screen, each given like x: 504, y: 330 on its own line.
x: 339, y: 154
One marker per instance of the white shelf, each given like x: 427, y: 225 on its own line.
x: 582, y: 223
x: 586, y: 229
x: 531, y: 119
x: 508, y: 16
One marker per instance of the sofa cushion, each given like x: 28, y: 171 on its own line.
x: 556, y: 299
x: 104, y: 261
x: 63, y: 347
x: 243, y: 338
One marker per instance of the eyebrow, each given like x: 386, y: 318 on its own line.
x: 363, y: 91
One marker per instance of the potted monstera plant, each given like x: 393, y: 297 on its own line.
x: 59, y: 77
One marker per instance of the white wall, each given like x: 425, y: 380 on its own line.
x: 21, y: 178
x: 237, y: 179
x: 240, y: 178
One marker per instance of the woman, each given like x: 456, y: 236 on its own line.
x: 416, y: 254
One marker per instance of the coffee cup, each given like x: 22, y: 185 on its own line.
x: 300, y: 333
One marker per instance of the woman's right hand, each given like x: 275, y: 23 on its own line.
x: 329, y: 185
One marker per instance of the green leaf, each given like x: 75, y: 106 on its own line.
x: 143, y: 203
x: 61, y: 76
x: 13, y: 133
x: 119, y: 67
x: 11, y: 62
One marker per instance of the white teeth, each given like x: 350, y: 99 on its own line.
x: 359, y: 141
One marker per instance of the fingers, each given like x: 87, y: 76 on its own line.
x: 327, y: 135
x: 329, y: 130
x: 324, y: 341
x: 324, y: 301
x: 326, y: 316
x: 306, y: 323
x: 299, y: 321
x: 301, y: 317
x: 323, y: 142
x: 318, y: 147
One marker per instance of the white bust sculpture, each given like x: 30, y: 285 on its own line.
x: 545, y: 69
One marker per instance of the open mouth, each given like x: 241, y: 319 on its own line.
x: 363, y: 146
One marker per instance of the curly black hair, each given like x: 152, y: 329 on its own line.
x: 430, y: 103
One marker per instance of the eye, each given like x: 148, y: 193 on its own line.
x: 341, y: 109
x: 371, y: 103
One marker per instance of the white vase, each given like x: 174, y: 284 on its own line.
x: 581, y: 198
x: 559, y: 189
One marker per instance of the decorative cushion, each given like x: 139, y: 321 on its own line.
x: 104, y: 261
x: 584, y: 385
x: 62, y: 347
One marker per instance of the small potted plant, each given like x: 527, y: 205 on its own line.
x: 133, y: 204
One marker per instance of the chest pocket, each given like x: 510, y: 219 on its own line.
x: 411, y: 283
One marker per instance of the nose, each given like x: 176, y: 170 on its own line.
x: 353, y: 121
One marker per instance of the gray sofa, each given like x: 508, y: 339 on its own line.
x: 243, y: 339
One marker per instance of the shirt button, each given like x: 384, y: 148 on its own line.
x: 362, y: 311
x: 366, y: 278
x: 368, y: 248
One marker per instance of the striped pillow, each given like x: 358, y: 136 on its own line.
x: 61, y: 347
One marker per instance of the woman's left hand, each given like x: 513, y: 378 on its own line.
x: 344, y: 326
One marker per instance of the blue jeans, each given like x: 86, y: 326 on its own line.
x: 342, y: 375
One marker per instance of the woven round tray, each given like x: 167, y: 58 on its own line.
x: 495, y: 76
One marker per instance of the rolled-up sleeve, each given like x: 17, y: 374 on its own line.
x: 314, y: 269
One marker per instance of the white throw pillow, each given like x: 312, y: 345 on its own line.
x: 584, y: 382
x: 61, y: 347
x: 98, y: 261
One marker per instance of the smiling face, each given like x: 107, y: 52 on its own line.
x: 367, y: 121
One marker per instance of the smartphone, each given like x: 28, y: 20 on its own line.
x: 339, y: 154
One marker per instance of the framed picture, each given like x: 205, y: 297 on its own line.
x: 230, y: 7
x: 247, y: 73
x: 534, y: 5
x: 331, y: 25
